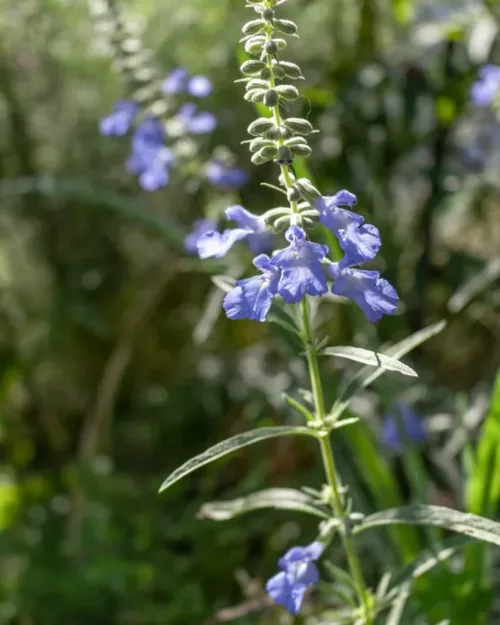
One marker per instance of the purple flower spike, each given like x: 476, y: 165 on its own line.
x: 150, y: 158
x: 119, y: 121
x: 484, y: 91
x: 299, y: 572
x: 373, y: 294
x: 199, y: 86
x: 175, y: 82
x: 223, y: 176
x: 302, y: 271
x: 197, y: 122
x: 410, y: 424
x: 252, y: 298
x: 359, y: 242
x: 200, y: 227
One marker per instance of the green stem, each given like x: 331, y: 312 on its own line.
x: 330, y: 471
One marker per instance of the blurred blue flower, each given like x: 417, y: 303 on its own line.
x: 150, y: 158
x: 252, y: 227
x: 302, y: 271
x: 359, y: 242
x: 223, y: 175
x: 179, y: 81
x: 298, y: 573
x: 374, y: 295
x: 200, y: 227
x: 410, y: 424
x: 484, y: 91
x: 251, y: 298
x: 197, y: 122
x: 119, y: 121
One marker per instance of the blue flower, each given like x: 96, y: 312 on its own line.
x: 253, y: 228
x: 374, y: 295
x: 222, y: 175
x: 197, y: 122
x: 410, y: 425
x: 251, y: 298
x: 200, y: 227
x: 302, y: 271
x: 119, y: 121
x: 484, y: 91
x: 359, y: 242
x: 150, y: 157
x: 179, y: 81
x: 298, y: 573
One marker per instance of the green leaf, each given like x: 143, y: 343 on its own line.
x: 396, y: 614
x: 367, y: 357
x: 453, y: 520
x: 366, y: 376
x: 232, y: 444
x: 224, y: 283
x: 277, y: 498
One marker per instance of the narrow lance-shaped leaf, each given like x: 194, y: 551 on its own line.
x: 232, y: 444
x: 462, y: 522
x: 277, y: 498
x: 366, y: 376
x: 367, y: 357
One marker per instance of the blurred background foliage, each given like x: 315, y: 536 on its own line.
x: 115, y: 365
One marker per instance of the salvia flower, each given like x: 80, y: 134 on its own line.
x: 200, y: 227
x: 298, y: 573
x: 150, y: 158
x: 251, y: 298
x: 409, y: 424
x: 179, y: 81
x: 118, y: 123
x: 359, y: 242
x: 225, y: 176
x: 196, y: 122
x: 374, y: 295
x: 485, y: 90
x: 251, y: 227
x: 302, y: 271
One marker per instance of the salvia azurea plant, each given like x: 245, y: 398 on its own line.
x: 288, y: 283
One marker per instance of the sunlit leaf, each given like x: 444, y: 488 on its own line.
x: 277, y: 498
x: 367, y: 357
x: 232, y: 444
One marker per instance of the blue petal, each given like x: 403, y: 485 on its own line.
x: 302, y: 271
x: 202, y: 123
x: 119, y: 121
x: 390, y: 434
x: 154, y: 178
x: 245, y: 219
x: 303, y: 573
x: 224, y: 176
x: 199, y: 86
x: 373, y: 294
x: 283, y: 593
x: 215, y: 244
x: 175, y: 82
x: 413, y: 425
x: 315, y: 550
x: 200, y: 227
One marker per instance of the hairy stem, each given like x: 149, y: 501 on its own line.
x: 336, y: 503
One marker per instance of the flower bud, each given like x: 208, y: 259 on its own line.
x: 285, y: 156
x: 285, y: 26
x: 257, y: 93
x: 271, y: 47
x: 307, y: 190
x: 253, y: 27
x: 258, y: 159
x: 268, y: 14
x: 298, y: 125
x: 256, y: 83
x: 291, y: 70
x: 278, y: 72
x: 278, y: 132
x: 293, y: 194
x: 271, y: 98
x: 288, y: 92
x: 255, y: 44
x: 267, y: 153
x: 260, y: 126
x: 252, y: 67
x: 259, y: 143
x: 301, y: 150
x: 265, y: 74
x: 294, y: 141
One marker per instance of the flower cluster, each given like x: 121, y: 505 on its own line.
x: 298, y: 573
x: 485, y: 91
x: 150, y: 158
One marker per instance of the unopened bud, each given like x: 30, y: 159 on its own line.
x: 268, y: 14
x: 253, y: 27
x: 252, y: 67
x: 285, y: 156
x: 293, y: 194
x: 260, y: 126
x: 291, y: 70
x: 271, y: 98
x: 271, y: 47
x: 307, y: 190
x: 288, y: 92
x: 298, y: 125
x: 286, y: 26
x: 255, y: 44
